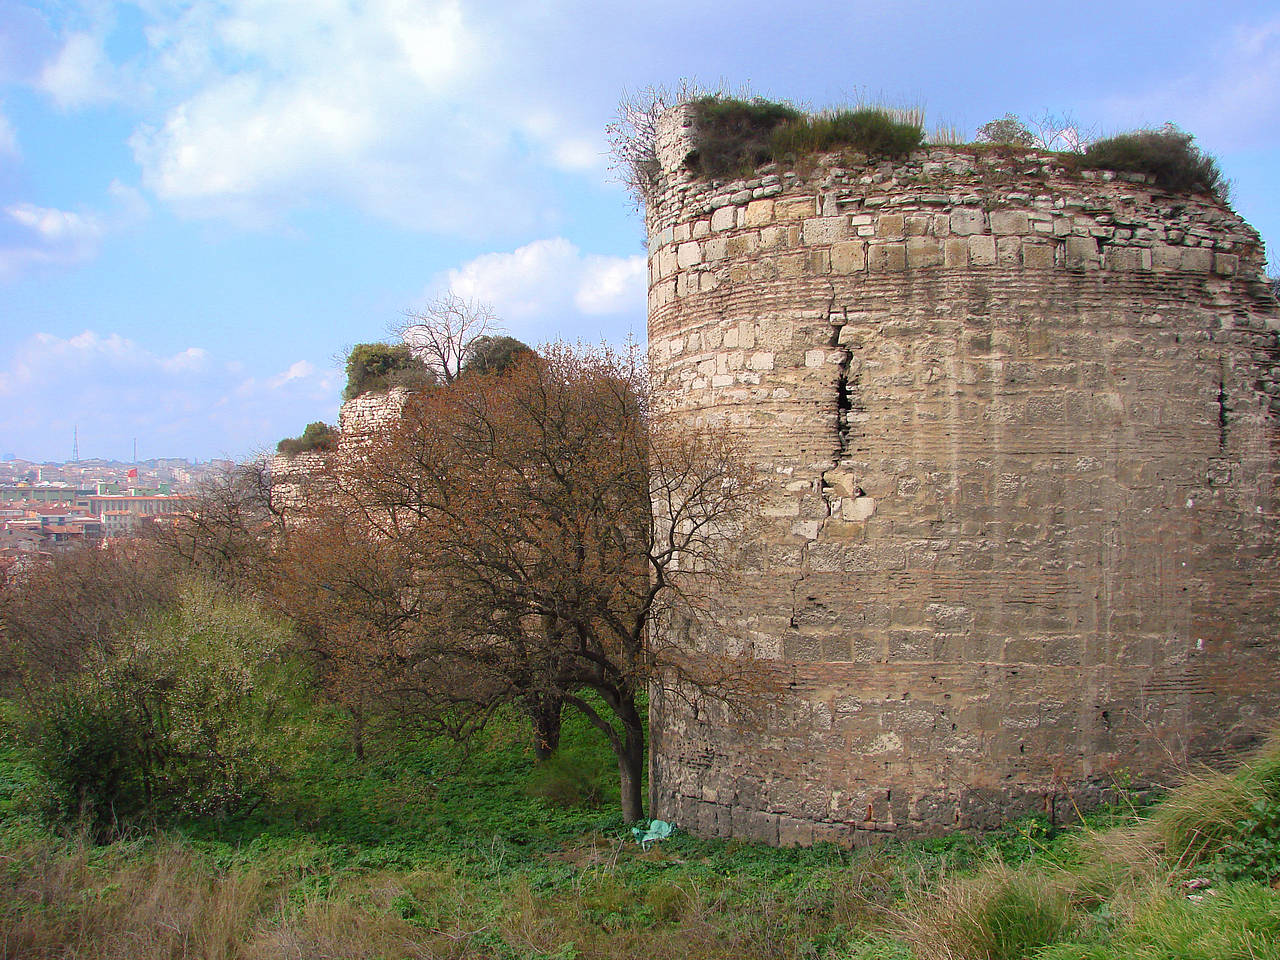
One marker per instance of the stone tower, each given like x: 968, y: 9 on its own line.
x: 1020, y: 426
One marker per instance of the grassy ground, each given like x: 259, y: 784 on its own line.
x: 420, y: 852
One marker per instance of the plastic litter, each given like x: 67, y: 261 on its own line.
x: 657, y: 830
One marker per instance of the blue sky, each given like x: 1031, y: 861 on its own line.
x: 203, y: 204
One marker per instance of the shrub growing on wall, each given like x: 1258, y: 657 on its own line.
x: 735, y: 136
x: 317, y: 436
x: 375, y: 367
x: 1169, y: 155
x: 494, y: 354
x: 1007, y: 130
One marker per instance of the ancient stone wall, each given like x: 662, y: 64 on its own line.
x: 293, y: 477
x: 1020, y: 530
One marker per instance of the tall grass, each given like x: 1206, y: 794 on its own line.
x: 736, y: 135
x: 1168, y: 155
x: 1119, y: 892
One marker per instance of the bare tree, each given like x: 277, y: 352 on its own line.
x: 60, y: 609
x: 633, y: 133
x: 230, y: 526
x: 443, y: 333
x: 526, y: 503
x: 1060, y: 132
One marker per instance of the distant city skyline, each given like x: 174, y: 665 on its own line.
x: 203, y: 205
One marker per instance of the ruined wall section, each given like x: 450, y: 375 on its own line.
x: 292, y: 478
x: 1020, y: 530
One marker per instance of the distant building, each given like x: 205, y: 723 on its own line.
x: 44, y: 493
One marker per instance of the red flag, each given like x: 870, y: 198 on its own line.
x: 133, y: 473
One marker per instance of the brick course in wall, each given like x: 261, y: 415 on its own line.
x: 1020, y: 532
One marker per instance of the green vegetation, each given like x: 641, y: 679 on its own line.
x: 1008, y: 130
x: 494, y: 354
x: 186, y: 714
x: 378, y: 367
x: 1169, y: 155
x: 317, y: 436
x: 427, y: 849
x: 735, y: 136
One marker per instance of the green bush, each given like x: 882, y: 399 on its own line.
x: 317, y: 436
x: 494, y: 354
x: 1007, y: 130
x: 1021, y: 918
x: 871, y: 130
x: 1228, y: 824
x: 377, y: 367
x: 184, y: 717
x: 1236, y: 922
x: 735, y: 136
x: 568, y: 780
x: 1168, y: 154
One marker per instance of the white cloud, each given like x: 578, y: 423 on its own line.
x: 612, y: 284
x: 32, y: 236
x: 377, y: 103
x: 296, y: 371
x: 80, y: 73
x: 544, y: 286
x: 8, y: 138
x: 1232, y: 101
x: 111, y: 386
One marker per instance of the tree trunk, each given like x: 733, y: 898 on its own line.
x: 357, y: 728
x: 631, y: 772
x: 544, y: 712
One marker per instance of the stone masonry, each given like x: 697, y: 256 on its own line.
x: 358, y: 418
x: 1019, y: 536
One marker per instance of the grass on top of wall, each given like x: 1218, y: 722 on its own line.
x: 1168, y: 155
x: 735, y: 135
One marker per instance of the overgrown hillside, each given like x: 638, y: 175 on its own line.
x: 423, y: 850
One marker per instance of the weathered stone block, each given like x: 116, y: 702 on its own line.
x: 887, y: 257
x: 1009, y: 222
x: 982, y: 251
x: 758, y: 213
x: 967, y: 220
x: 923, y: 252
x: 1037, y: 256
x: 955, y: 252
x: 918, y: 226
x: 1009, y: 251
x: 848, y: 257
x: 688, y: 255
x: 1166, y: 257
x: 724, y: 219
x: 891, y: 226
x: 825, y: 229
x: 1082, y: 252
x: 1197, y: 259
x: 1225, y: 263
x: 1128, y: 258
x: 795, y: 208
